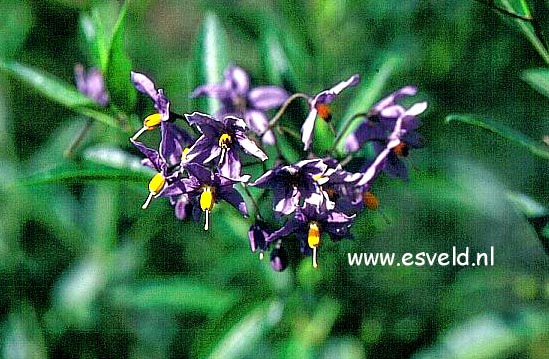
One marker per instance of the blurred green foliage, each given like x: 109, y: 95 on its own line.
x: 85, y: 273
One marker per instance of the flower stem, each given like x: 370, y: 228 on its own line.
x: 83, y: 132
x: 345, y: 129
x: 285, y: 105
x: 254, y: 202
x: 283, y: 129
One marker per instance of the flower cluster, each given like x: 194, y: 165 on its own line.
x: 200, y: 166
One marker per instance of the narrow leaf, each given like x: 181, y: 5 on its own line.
x: 79, y: 173
x: 368, y: 93
x: 275, y: 60
x: 174, y: 294
x: 538, y: 79
x: 241, y: 339
x: 528, y: 29
x: 58, y: 91
x: 92, y: 40
x: 211, y: 58
x: 119, y: 67
x: 537, y: 148
x: 537, y: 215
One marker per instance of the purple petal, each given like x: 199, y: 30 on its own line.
x: 211, y: 90
x: 204, y: 175
x: 290, y: 227
x: 308, y: 128
x: 328, y: 96
x: 170, y: 144
x: 143, y: 84
x: 91, y: 84
x: 235, y: 124
x: 175, y: 189
x: 183, y: 207
x: 392, y: 111
x: 204, y: 150
x: 250, y: 147
x: 230, y: 166
x: 394, y: 97
x: 394, y: 167
x: 238, y: 79
x: 235, y: 199
x: 264, y: 179
x: 197, y: 118
x: 266, y: 97
x: 256, y: 121
x: 352, y: 81
x: 286, y: 205
x: 268, y: 138
x: 151, y: 154
x: 162, y: 105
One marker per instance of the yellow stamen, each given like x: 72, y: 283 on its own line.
x: 184, y: 154
x: 156, y: 184
x: 225, y: 140
x: 207, y: 200
x: 313, y: 240
x: 152, y: 121
x: 149, y: 123
x: 317, y: 177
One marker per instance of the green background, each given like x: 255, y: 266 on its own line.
x: 86, y: 273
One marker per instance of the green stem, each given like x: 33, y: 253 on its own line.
x: 344, y: 130
x: 285, y: 105
x: 289, y: 132
x: 83, y: 132
x: 254, y: 202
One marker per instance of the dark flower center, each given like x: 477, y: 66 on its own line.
x: 401, y: 150
x: 240, y: 103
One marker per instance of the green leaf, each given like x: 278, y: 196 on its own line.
x: 538, y: 79
x: 537, y: 215
x: 73, y: 173
x: 16, y: 23
x: 92, y: 40
x: 58, y: 91
x: 211, y: 58
x: 119, y: 66
x: 241, y: 339
x: 368, y: 93
x: 527, y: 28
x: 535, y: 147
x: 275, y: 60
x: 22, y: 335
x: 175, y: 295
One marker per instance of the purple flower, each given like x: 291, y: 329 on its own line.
x: 257, y: 234
x: 380, y: 120
x: 238, y: 99
x: 279, y: 258
x: 206, y: 188
x: 221, y: 138
x: 319, y: 106
x: 388, y: 149
x: 292, y: 183
x: 174, y: 139
x: 341, y: 188
x: 311, y: 221
x: 164, y: 175
x: 91, y: 84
